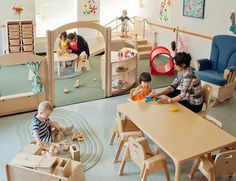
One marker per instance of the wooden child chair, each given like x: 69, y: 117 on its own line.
x: 82, y: 62
x: 222, y: 165
x: 207, y: 94
x: 124, y: 128
x: 139, y: 152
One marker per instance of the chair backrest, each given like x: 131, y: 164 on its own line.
x: 207, y: 91
x: 225, y: 163
x: 223, y: 52
x: 136, y: 151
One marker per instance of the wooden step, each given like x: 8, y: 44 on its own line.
x: 146, y: 47
x: 144, y: 54
x: 142, y: 42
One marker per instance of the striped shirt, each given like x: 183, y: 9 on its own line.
x: 42, y: 128
x: 189, y: 85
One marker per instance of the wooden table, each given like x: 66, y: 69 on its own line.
x: 183, y: 135
x: 64, y: 58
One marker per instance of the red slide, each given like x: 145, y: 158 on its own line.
x: 166, y: 69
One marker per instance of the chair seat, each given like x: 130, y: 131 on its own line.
x: 212, y: 76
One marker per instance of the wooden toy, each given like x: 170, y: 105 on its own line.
x: 64, y: 168
x: 139, y: 152
x: 75, y: 152
x: 66, y: 90
x: 54, y: 151
x: 83, y: 62
x: 68, y: 130
x: 64, y: 145
x: 174, y: 109
x: 149, y: 99
x: 77, y: 84
x: 47, y: 164
x: 94, y: 79
x: 77, y: 137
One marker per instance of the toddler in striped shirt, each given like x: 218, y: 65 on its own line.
x: 43, y: 127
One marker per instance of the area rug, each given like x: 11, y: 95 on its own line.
x: 90, y: 149
x: 65, y: 73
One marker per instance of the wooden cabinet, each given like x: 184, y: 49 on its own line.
x: 20, y: 36
x: 124, y: 71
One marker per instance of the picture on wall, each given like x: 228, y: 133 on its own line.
x: 89, y: 11
x: 232, y: 27
x: 165, y: 10
x: 194, y: 8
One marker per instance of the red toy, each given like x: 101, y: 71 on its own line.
x: 168, y: 68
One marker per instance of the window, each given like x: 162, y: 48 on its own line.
x: 51, y: 14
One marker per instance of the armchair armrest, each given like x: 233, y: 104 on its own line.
x: 232, y: 68
x: 155, y: 160
x: 204, y: 64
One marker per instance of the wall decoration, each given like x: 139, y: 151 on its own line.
x: 165, y: 10
x: 141, y: 3
x: 18, y: 9
x: 194, y: 8
x: 90, y: 7
x: 232, y: 28
x: 89, y: 11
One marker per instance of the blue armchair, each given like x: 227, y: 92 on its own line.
x: 220, y: 69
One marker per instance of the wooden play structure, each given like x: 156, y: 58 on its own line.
x: 139, y: 152
x: 27, y: 101
x: 31, y: 164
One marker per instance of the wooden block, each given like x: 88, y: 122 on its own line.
x: 47, y: 164
x: 64, y: 168
x: 74, y: 152
x: 27, y: 160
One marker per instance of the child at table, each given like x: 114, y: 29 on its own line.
x: 63, y: 44
x: 124, y: 19
x: 143, y: 89
x: 42, y: 125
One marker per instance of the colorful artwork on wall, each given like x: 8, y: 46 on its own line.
x: 89, y: 7
x: 165, y: 10
x: 194, y: 8
x: 232, y: 27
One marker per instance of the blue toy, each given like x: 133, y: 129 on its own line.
x: 149, y: 99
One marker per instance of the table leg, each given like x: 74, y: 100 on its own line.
x: 178, y: 168
x: 58, y: 69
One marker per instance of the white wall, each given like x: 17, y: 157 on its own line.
x: 8, y: 14
x: 216, y: 21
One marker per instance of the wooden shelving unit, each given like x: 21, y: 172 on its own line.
x: 20, y: 36
x: 127, y: 76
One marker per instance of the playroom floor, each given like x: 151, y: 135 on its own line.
x: 100, y: 114
x: 13, y: 80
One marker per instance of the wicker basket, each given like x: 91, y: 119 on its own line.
x: 14, y: 42
x: 27, y: 26
x: 27, y: 36
x: 14, y: 49
x: 28, y: 41
x: 27, y: 48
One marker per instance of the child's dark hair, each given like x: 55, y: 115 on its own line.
x: 183, y: 58
x: 145, y: 77
x: 71, y: 36
x: 63, y: 34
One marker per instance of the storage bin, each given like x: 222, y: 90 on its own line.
x: 27, y: 26
x: 28, y: 41
x: 14, y: 49
x: 15, y: 42
x: 27, y: 48
x: 27, y: 36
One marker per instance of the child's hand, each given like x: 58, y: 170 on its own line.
x: 39, y: 143
x: 152, y: 93
x: 163, y: 100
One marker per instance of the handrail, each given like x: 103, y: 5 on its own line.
x: 116, y: 27
x: 110, y: 22
x: 179, y: 30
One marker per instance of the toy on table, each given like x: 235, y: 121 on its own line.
x: 68, y: 130
x: 77, y: 84
x: 150, y: 99
x: 174, y: 109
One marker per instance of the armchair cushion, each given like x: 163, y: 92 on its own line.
x: 204, y: 64
x: 212, y: 76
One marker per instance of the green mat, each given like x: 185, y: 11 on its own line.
x: 90, y: 149
x: 14, y: 79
